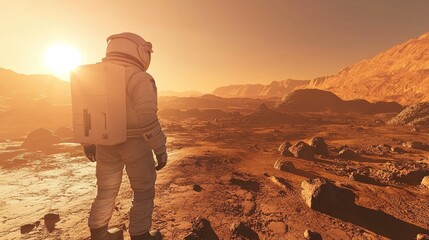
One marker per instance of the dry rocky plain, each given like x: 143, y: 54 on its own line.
x: 245, y: 175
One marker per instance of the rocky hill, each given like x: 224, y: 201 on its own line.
x: 414, y: 115
x: 39, y: 87
x: 315, y: 100
x: 274, y: 89
x: 400, y: 74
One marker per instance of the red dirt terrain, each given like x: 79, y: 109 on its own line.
x: 226, y: 179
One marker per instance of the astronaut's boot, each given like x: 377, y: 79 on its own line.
x: 151, y: 235
x: 103, y: 234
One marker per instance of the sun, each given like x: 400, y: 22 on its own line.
x: 61, y: 59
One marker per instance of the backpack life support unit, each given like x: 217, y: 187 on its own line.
x: 98, y: 93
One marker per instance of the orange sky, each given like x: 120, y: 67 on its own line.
x: 202, y: 44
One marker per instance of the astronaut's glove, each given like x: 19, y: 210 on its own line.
x: 162, y: 160
x: 90, y: 152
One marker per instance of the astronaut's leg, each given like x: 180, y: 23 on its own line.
x: 140, y: 168
x: 109, y: 177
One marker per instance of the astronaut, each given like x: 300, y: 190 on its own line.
x: 144, y: 136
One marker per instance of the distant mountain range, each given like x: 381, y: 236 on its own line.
x: 400, y: 74
x: 274, y: 89
x: 33, y: 87
x: 179, y: 94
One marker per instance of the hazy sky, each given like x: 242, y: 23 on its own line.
x: 202, y: 44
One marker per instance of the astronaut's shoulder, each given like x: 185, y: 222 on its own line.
x: 144, y: 81
x: 143, y: 76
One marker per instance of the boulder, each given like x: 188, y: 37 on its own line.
x: 319, y: 146
x: 283, y: 165
x: 416, y: 145
x: 197, y: 188
x: 348, y: 154
x: 27, y: 228
x: 286, y: 153
x: 284, y: 146
x: 40, y: 139
x: 354, y: 176
x: 398, y: 150
x: 64, y: 132
x: 284, y: 149
x: 50, y: 220
x: 302, y: 150
x: 323, y: 196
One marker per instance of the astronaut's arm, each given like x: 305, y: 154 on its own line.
x: 144, y: 96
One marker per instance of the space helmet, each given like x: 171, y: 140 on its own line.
x: 130, y: 46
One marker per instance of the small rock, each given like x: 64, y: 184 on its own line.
x: 284, y: 166
x: 319, y: 146
x: 201, y: 228
x: 398, y: 150
x: 417, y: 145
x: 40, y: 139
x: 415, y: 129
x: 348, y: 154
x: 322, y: 195
x: 50, y: 220
x: 281, y: 182
x: 197, y: 188
x: 341, y: 148
x: 425, y: 182
x: 284, y: 146
x: 302, y: 150
x: 422, y: 236
x: 354, y: 176
x: 310, y: 235
x: 378, y: 122
x: 27, y: 228
x: 243, y: 230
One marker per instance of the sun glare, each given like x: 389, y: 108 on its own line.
x: 61, y: 59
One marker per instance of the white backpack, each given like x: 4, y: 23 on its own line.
x: 98, y: 94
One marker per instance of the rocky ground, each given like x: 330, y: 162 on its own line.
x: 225, y: 181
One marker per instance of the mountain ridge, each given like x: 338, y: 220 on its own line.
x: 399, y: 74
x: 41, y: 86
x: 274, y: 89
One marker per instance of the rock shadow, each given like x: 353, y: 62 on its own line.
x: 378, y: 222
x: 303, y: 173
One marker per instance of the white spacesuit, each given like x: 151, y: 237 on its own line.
x: 144, y: 136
